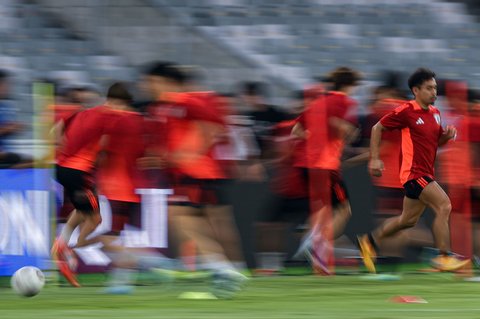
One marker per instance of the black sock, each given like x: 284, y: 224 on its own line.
x: 372, y: 241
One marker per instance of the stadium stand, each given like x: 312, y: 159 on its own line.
x: 286, y: 43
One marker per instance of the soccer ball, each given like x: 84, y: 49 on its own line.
x: 28, y: 281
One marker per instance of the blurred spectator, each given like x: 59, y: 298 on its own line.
x: 84, y: 94
x: 8, y: 123
x: 239, y: 144
x: 264, y: 116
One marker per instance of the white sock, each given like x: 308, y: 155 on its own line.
x: 216, y: 263
x: 239, y: 265
x: 66, y: 233
x: 121, y: 277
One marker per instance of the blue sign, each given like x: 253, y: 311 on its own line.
x: 24, y: 219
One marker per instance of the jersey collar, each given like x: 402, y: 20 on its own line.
x: 417, y: 106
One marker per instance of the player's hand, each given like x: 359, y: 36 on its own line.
x: 300, y: 132
x: 375, y: 167
x: 450, y: 132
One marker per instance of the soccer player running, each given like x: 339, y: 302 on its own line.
x: 192, y: 127
x: 422, y: 133
x: 75, y: 171
x: 324, y: 128
x: 66, y: 106
x: 118, y: 178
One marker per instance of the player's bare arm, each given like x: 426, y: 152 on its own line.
x: 375, y: 166
x: 357, y: 159
x: 450, y: 133
x: 299, y: 131
x: 346, y: 130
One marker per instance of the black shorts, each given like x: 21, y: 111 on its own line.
x: 414, y: 187
x: 194, y: 192
x: 79, y: 188
x: 124, y: 213
x: 335, y: 194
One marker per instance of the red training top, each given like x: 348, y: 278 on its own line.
x: 421, y: 130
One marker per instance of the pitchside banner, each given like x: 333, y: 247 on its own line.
x: 24, y: 219
x: 153, y: 234
x: 27, y: 212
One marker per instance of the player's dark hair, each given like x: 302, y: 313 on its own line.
x: 227, y: 94
x: 254, y: 88
x: 168, y: 70
x: 192, y: 73
x: 473, y: 95
x: 4, y: 75
x: 392, y: 79
x: 344, y: 76
x: 298, y: 95
x: 325, y: 78
x: 419, y: 77
x: 119, y: 91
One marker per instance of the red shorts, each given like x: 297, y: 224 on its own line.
x: 326, y: 185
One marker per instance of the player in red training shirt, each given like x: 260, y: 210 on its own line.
x: 422, y: 133
x: 75, y: 167
x: 118, y: 177
x: 192, y: 126
x: 324, y: 128
x: 61, y: 112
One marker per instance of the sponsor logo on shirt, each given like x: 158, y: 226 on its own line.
x: 420, y: 121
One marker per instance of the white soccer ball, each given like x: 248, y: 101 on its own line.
x: 28, y: 281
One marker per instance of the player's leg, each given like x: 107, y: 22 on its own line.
x: 223, y: 224
x: 190, y: 223
x: 61, y: 253
x: 435, y: 197
x: 69, y: 182
x: 332, y: 219
x: 412, y: 210
x: 87, y: 215
x: 73, y: 220
x: 86, y: 202
x: 90, y: 223
x: 188, y: 219
x: 323, y: 201
x: 342, y: 212
x: 128, y: 260
x: 219, y: 214
x: 81, y: 192
x: 124, y: 262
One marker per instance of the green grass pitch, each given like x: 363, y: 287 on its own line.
x: 342, y: 296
